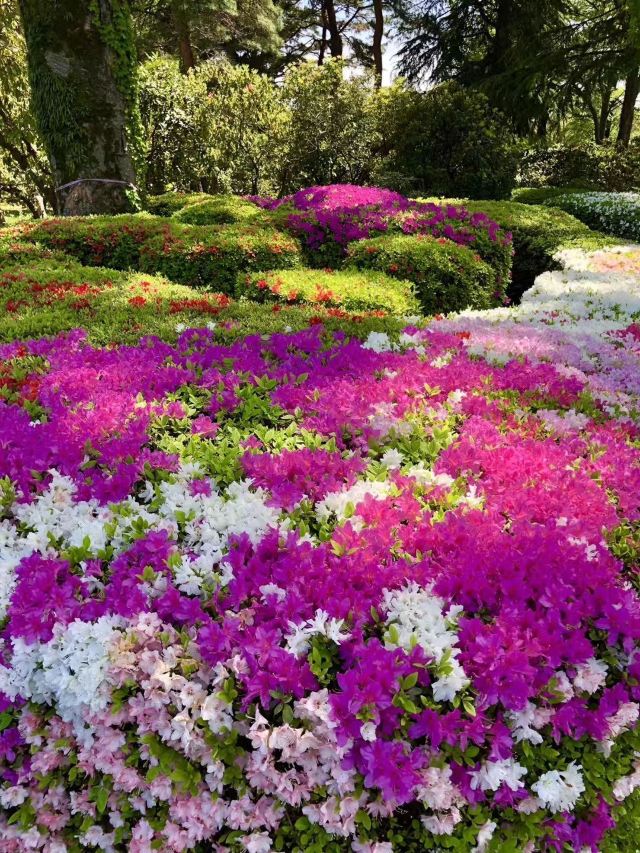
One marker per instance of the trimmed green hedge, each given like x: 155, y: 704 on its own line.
x: 447, y: 277
x: 48, y: 295
x: 221, y: 210
x: 538, y: 233
x: 349, y: 289
x: 194, y: 255
x: 169, y: 203
x: 540, y: 195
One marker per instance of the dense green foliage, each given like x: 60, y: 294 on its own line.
x: 447, y: 142
x: 604, y: 167
x: 447, y: 277
x: 348, y: 289
x: 220, y: 210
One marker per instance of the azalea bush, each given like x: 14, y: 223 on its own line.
x: 446, y: 277
x: 329, y: 218
x: 352, y: 290
x: 613, y: 213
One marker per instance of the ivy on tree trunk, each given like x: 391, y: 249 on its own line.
x: 82, y: 73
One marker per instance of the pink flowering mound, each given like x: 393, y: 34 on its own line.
x: 328, y: 218
x: 302, y: 593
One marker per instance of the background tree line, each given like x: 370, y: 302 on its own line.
x: 269, y: 95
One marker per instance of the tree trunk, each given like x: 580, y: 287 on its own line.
x: 323, y: 38
x: 335, y: 39
x: 627, y: 114
x: 183, y: 31
x: 84, y: 99
x: 378, y: 33
x: 603, y: 118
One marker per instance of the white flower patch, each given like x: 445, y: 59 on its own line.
x: 68, y: 672
x: 484, y: 836
x: 297, y: 640
x: 417, y: 617
x: 339, y: 503
x: 493, y: 774
x: 626, y: 785
x: 378, y: 342
x: 590, y: 676
x: 392, y: 459
x: 559, y: 790
x: 525, y: 724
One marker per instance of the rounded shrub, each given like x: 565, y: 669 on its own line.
x: 213, y: 256
x: 447, y: 277
x: 349, y: 289
x: 112, y: 241
x: 196, y: 255
x: 220, y: 210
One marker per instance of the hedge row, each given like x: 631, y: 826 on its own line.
x: 538, y: 234
x: 189, y: 254
x: 617, y: 214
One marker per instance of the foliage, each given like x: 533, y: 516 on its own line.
x: 25, y: 176
x: 617, y: 214
x: 195, y: 30
x: 447, y: 277
x: 447, y: 142
x: 350, y: 290
x: 218, y: 128
x: 220, y: 210
x: 166, y: 204
x: 332, y: 130
x: 595, y: 167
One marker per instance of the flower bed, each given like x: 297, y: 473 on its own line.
x: 349, y: 289
x: 312, y: 594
